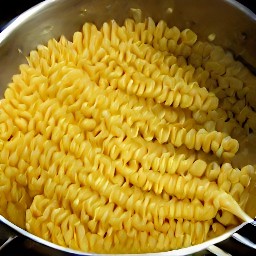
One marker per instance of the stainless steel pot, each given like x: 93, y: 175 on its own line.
x: 233, y: 24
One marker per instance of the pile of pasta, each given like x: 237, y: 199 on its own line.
x: 124, y: 139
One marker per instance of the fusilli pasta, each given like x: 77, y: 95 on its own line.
x: 126, y: 139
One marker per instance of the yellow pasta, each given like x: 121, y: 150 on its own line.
x: 126, y: 139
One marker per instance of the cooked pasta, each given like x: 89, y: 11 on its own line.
x: 127, y: 139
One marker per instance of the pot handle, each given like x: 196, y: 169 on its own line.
x: 242, y: 242
x: 9, y: 240
x: 7, y: 235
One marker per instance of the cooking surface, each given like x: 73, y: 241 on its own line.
x: 22, y: 246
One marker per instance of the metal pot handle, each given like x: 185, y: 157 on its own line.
x: 237, y: 243
x: 9, y: 240
x: 7, y: 235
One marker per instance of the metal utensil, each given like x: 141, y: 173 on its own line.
x: 233, y: 24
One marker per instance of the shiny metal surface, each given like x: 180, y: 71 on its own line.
x: 233, y: 24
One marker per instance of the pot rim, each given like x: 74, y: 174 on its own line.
x: 178, y: 252
x: 7, y: 31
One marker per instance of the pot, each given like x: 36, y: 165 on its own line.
x: 233, y: 24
